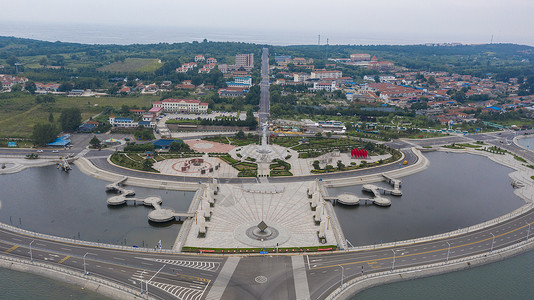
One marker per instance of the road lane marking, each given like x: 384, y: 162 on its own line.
x: 63, y: 259
x: 118, y: 258
x: 431, y: 251
x: 12, y: 248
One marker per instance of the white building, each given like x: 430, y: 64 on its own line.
x: 300, y: 77
x: 121, y: 122
x: 324, y: 86
x: 244, y: 80
x: 322, y: 74
x: 182, y: 105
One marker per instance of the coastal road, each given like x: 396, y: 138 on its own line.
x: 181, y: 276
x: 324, y: 271
x: 258, y: 277
x: 500, y: 139
x: 99, y: 159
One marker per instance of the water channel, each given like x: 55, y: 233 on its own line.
x: 73, y: 205
x: 455, y: 191
x: 527, y: 142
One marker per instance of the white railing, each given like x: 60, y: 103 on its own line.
x: 456, y: 261
x: 486, y: 224
x: 82, y: 242
x: 78, y: 274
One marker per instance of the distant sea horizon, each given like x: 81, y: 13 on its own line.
x: 126, y: 35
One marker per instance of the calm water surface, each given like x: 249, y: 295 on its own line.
x: 456, y: 191
x: 527, y: 142
x: 508, y: 279
x: 22, y: 286
x: 73, y: 205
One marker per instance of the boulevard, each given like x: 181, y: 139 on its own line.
x: 195, y: 275
x: 190, y: 276
x: 164, y: 274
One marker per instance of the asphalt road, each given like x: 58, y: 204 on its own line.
x: 265, y: 277
x: 182, y: 276
x: 99, y: 160
x: 264, y: 88
x: 324, y: 271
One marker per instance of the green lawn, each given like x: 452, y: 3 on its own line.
x: 133, y: 65
x: 19, y: 114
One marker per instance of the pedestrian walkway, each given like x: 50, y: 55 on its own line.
x: 302, y: 290
x: 217, y: 290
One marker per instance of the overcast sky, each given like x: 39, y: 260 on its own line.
x: 472, y: 21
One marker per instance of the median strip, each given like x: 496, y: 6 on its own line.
x: 12, y: 248
x: 64, y: 259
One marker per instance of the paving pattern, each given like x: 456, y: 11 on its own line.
x: 236, y: 206
x: 174, y: 167
x: 208, y: 146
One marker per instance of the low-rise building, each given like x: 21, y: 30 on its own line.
x: 182, y: 105
x: 323, y: 74
x: 232, y: 92
x: 121, y: 122
x: 360, y: 57
x: 300, y: 77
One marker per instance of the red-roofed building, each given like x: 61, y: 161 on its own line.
x: 181, y: 105
x: 137, y: 111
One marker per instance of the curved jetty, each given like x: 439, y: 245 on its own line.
x: 159, y: 214
x: 395, y: 183
x: 378, y: 200
x: 117, y: 186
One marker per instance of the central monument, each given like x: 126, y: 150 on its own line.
x: 264, y: 149
x: 262, y: 153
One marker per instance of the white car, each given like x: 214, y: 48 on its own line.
x: 55, y: 151
x: 39, y: 151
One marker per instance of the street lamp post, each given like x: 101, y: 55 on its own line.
x: 393, y: 265
x: 342, y: 275
x: 528, y: 232
x: 448, y: 251
x: 84, y: 268
x: 146, y: 285
x: 492, y: 241
x: 31, y: 254
x: 142, y: 281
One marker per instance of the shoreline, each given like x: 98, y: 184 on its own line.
x: 352, y: 287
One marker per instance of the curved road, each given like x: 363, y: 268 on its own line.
x: 192, y: 276
x: 261, y: 277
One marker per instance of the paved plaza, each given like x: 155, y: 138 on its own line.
x: 188, y: 167
x: 239, y: 208
x: 304, y: 166
x: 208, y: 146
